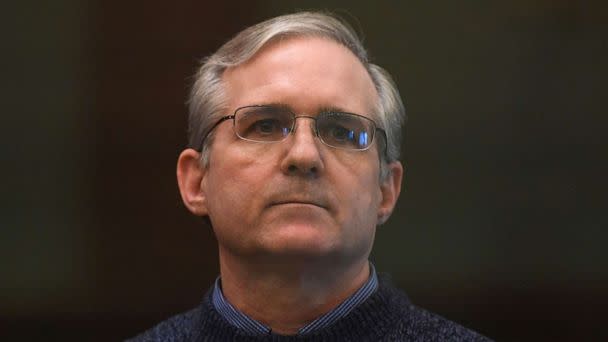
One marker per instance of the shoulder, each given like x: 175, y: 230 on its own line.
x: 416, y: 324
x: 421, y: 325
x: 178, y: 328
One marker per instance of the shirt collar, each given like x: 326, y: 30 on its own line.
x: 251, y: 326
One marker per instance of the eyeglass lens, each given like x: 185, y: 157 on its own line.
x: 274, y: 123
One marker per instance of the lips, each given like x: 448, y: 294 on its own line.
x: 316, y: 204
x: 296, y: 193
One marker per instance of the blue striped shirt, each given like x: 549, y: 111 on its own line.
x: 251, y: 326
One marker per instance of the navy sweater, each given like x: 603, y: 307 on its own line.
x: 387, y: 315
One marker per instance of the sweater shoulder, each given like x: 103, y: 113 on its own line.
x: 175, y: 329
x: 421, y: 325
x: 413, y: 323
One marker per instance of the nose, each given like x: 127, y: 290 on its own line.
x: 303, y: 151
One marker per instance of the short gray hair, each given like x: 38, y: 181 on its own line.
x: 207, y: 100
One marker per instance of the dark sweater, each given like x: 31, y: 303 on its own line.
x: 387, y: 315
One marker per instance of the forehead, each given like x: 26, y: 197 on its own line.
x: 306, y: 73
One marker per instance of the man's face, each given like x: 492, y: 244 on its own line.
x: 297, y: 197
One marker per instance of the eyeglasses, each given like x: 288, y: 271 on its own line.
x: 272, y: 123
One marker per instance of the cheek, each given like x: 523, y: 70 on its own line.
x: 232, y: 202
x: 361, y: 195
x: 360, y: 216
x: 360, y: 178
x: 236, y: 179
x: 366, y: 206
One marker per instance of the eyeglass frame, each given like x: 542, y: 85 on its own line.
x: 293, y: 128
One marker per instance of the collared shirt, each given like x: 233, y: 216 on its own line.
x: 251, y: 326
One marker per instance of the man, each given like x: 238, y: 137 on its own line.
x: 294, y: 141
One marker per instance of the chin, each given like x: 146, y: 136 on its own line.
x: 301, y: 240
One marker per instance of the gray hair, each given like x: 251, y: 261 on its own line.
x: 207, y: 99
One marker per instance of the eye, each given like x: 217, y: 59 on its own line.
x: 266, y: 126
x: 263, y: 123
x: 337, y: 129
x: 340, y: 133
x: 344, y: 130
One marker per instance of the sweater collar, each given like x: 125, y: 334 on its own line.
x: 250, y: 326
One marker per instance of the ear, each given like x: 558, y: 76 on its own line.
x: 190, y: 175
x: 390, y: 189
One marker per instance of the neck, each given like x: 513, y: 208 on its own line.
x: 269, y: 291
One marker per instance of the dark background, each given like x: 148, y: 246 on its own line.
x: 502, y: 228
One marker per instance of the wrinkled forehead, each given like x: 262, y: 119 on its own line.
x: 305, y: 72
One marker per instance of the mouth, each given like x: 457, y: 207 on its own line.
x: 298, y: 203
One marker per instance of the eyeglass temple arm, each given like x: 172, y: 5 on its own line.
x: 385, y: 141
x: 222, y: 119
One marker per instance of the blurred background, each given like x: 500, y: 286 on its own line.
x: 503, y: 226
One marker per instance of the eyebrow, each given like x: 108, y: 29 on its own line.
x: 332, y: 109
x: 321, y: 109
